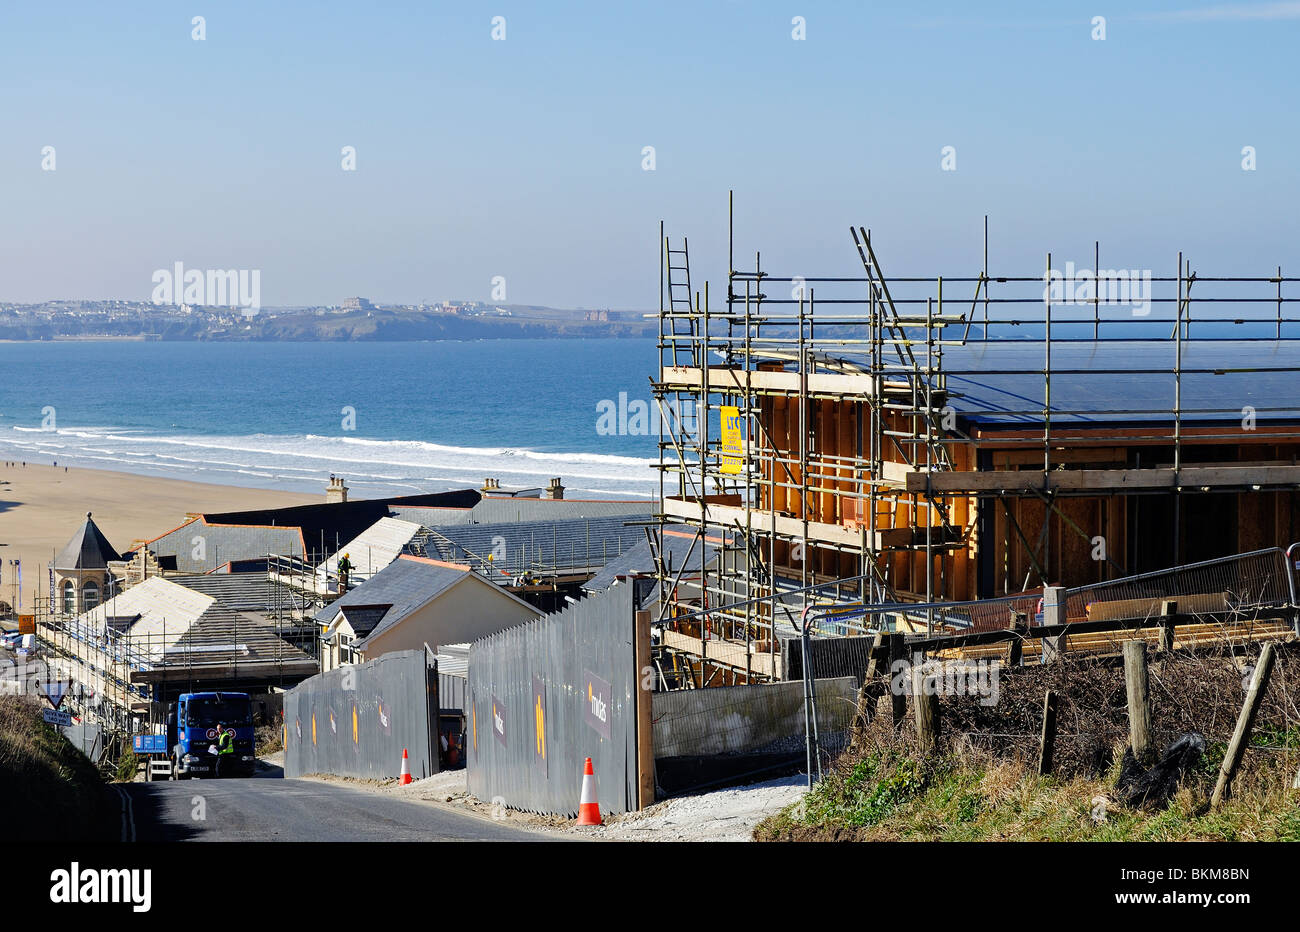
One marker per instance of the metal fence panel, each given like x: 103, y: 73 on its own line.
x: 355, y: 721
x: 87, y: 738
x: 548, y: 694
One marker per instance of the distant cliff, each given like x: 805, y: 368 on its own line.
x: 306, y: 326
x: 394, y: 325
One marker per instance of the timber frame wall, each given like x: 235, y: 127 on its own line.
x: 858, y: 473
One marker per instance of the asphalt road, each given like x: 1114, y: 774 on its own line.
x: 268, y: 807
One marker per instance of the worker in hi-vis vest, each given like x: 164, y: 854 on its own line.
x: 225, y: 744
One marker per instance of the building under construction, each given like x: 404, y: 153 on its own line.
x: 872, y: 440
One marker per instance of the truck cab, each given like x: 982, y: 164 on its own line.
x: 192, y: 734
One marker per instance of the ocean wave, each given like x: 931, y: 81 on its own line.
x: 301, y: 461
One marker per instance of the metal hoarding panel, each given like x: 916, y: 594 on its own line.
x: 356, y: 721
x: 552, y: 660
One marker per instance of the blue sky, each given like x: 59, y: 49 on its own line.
x: 523, y: 158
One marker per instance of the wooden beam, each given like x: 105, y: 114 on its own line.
x: 790, y: 526
x: 726, y: 379
x: 645, y: 752
x: 1245, y: 721
x: 1096, y: 481
x: 1047, y: 739
x: 725, y: 653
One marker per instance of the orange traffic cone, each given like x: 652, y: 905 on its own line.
x: 406, y: 768
x: 588, y: 808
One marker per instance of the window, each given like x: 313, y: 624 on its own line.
x: 89, y: 596
x: 69, y: 598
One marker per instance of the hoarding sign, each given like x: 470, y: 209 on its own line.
x: 597, y: 701
x: 733, y: 440
x: 539, y: 725
x: 499, y: 720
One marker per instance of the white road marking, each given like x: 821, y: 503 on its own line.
x: 128, y: 815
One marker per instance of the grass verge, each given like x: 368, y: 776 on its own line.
x: 884, y: 796
x: 50, y: 791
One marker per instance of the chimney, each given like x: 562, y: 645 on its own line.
x: 554, y: 491
x: 336, y: 492
x: 490, y: 486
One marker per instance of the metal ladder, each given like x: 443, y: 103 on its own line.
x: 681, y: 316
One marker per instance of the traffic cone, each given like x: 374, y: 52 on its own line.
x: 588, y: 808
x: 406, y: 768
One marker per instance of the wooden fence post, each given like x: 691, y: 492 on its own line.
x: 874, y: 661
x: 1047, y: 742
x: 1245, y: 721
x: 1139, y: 702
x: 645, y: 753
x: 874, y: 665
x: 925, y: 703
x: 1054, y: 613
x: 897, y: 652
x: 1168, y: 609
x: 1015, y: 655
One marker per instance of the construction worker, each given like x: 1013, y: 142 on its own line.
x: 345, y: 568
x: 225, y: 745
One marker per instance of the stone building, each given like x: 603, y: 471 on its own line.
x: 82, y: 579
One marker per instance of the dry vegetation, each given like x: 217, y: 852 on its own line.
x: 49, y: 789
x: 982, y: 783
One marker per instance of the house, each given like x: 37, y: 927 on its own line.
x: 413, y: 603
x: 882, y: 445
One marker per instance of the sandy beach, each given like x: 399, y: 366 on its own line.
x: 42, y: 506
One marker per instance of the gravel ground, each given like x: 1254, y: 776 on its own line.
x: 721, y: 815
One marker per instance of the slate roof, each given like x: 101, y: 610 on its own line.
x: 363, y: 618
x: 335, y: 523
x: 505, y: 510
x: 675, y: 547
x: 400, y: 588
x: 580, y: 542
x: 223, y: 544
x: 89, y: 549
x: 253, y: 592
x: 371, y: 550
x: 313, y: 530
x: 172, y: 624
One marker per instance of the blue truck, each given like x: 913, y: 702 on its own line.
x: 192, y: 734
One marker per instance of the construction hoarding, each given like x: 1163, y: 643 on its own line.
x: 355, y: 721
x: 554, y: 692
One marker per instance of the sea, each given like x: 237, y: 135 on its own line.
x: 391, y: 418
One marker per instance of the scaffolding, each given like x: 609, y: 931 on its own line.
x: 860, y: 438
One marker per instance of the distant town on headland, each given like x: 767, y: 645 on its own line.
x: 354, y: 319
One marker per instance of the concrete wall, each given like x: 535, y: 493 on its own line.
x: 744, y: 719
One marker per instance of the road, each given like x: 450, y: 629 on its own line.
x: 268, y: 807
